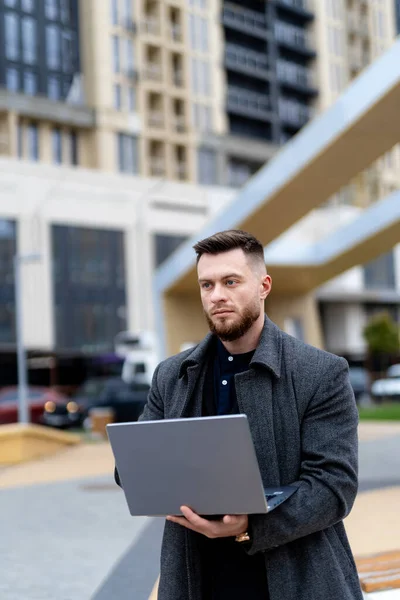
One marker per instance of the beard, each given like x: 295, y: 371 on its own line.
x: 232, y: 331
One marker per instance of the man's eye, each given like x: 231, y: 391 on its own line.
x: 230, y: 282
x: 205, y: 286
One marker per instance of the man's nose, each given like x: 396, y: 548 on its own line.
x: 218, y: 294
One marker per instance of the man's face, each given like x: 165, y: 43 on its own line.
x: 233, y: 290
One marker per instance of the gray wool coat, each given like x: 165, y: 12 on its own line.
x: 303, y: 419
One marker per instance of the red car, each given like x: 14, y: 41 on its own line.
x: 37, y: 397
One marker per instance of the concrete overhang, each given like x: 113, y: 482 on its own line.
x: 361, y: 126
x: 44, y: 109
x: 298, y: 268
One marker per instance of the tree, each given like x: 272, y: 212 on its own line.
x: 382, y: 337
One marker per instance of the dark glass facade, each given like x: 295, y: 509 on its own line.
x: 165, y: 245
x: 267, y: 57
x: 8, y: 245
x: 89, y: 287
x: 39, y: 46
x: 380, y: 273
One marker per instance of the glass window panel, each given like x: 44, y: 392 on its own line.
x: 116, y: 54
x: 207, y: 170
x: 204, y: 34
x: 127, y: 153
x: 30, y: 83
x: 66, y: 13
x: 117, y: 96
x: 51, y: 9
x: 73, y: 141
x: 11, y: 25
x: 29, y: 40
x: 28, y: 5
x: 128, y: 9
x: 53, y: 46
x: 68, y: 51
x: 57, y: 145
x: 33, y: 142
x: 165, y: 245
x: 131, y: 99
x: 114, y: 12
x: 12, y: 79
x: 53, y: 87
x: 20, y: 140
x: 130, y: 59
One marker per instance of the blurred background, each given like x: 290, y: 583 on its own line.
x: 126, y: 127
x: 128, y: 130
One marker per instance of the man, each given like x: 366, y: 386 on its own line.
x: 303, y: 420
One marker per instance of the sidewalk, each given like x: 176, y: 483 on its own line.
x: 373, y: 525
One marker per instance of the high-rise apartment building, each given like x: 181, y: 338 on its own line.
x: 350, y: 35
x: 196, y: 90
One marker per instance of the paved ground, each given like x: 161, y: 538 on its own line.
x: 66, y: 533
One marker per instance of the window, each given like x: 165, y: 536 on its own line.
x: 200, y: 77
x: 53, y: 47
x: 20, y: 140
x: 294, y: 327
x: 33, y: 142
x: 28, y: 5
x: 117, y: 96
x: 68, y: 51
x: 66, y: 12
x: 198, y: 28
x: 29, y: 43
x: 57, y: 145
x: 202, y: 117
x: 11, y: 25
x: 130, y: 60
x: 50, y: 9
x: 115, y: 53
x: 165, y: 245
x: 53, y: 87
x: 30, y: 83
x: 10, y: 3
x: 128, y: 10
x: 207, y: 171
x: 127, y: 153
x: 380, y: 273
x: 131, y: 99
x: 12, y: 79
x: 114, y: 12
x: 73, y: 148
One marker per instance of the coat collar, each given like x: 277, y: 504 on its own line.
x: 268, y: 353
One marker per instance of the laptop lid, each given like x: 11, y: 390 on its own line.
x: 207, y: 463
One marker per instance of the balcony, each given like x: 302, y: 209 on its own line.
x: 248, y: 104
x: 294, y: 37
x: 244, y: 20
x: 156, y: 119
x: 293, y: 113
x: 302, y: 8
x: 152, y: 72
x: 151, y: 26
x: 246, y: 61
x: 176, y: 33
x: 177, y: 78
x: 296, y: 76
x: 179, y: 123
x: 181, y: 170
x: 157, y: 166
x: 357, y: 24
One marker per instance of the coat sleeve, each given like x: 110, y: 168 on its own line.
x: 327, y: 483
x: 153, y: 411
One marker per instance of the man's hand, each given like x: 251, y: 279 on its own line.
x: 229, y: 526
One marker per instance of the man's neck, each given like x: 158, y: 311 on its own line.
x: 248, y: 341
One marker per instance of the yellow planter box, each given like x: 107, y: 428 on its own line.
x: 20, y: 443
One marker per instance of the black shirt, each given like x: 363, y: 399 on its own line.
x: 228, y: 572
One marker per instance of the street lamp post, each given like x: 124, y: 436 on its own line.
x: 23, y: 406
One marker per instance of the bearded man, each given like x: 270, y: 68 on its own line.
x: 303, y: 420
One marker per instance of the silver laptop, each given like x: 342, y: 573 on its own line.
x: 207, y: 463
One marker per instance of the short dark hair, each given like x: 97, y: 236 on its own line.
x: 224, y: 241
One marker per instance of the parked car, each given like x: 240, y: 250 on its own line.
x: 37, y: 399
x: 388, y: 388
x: 126, y: 400
x: 360, y: 383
